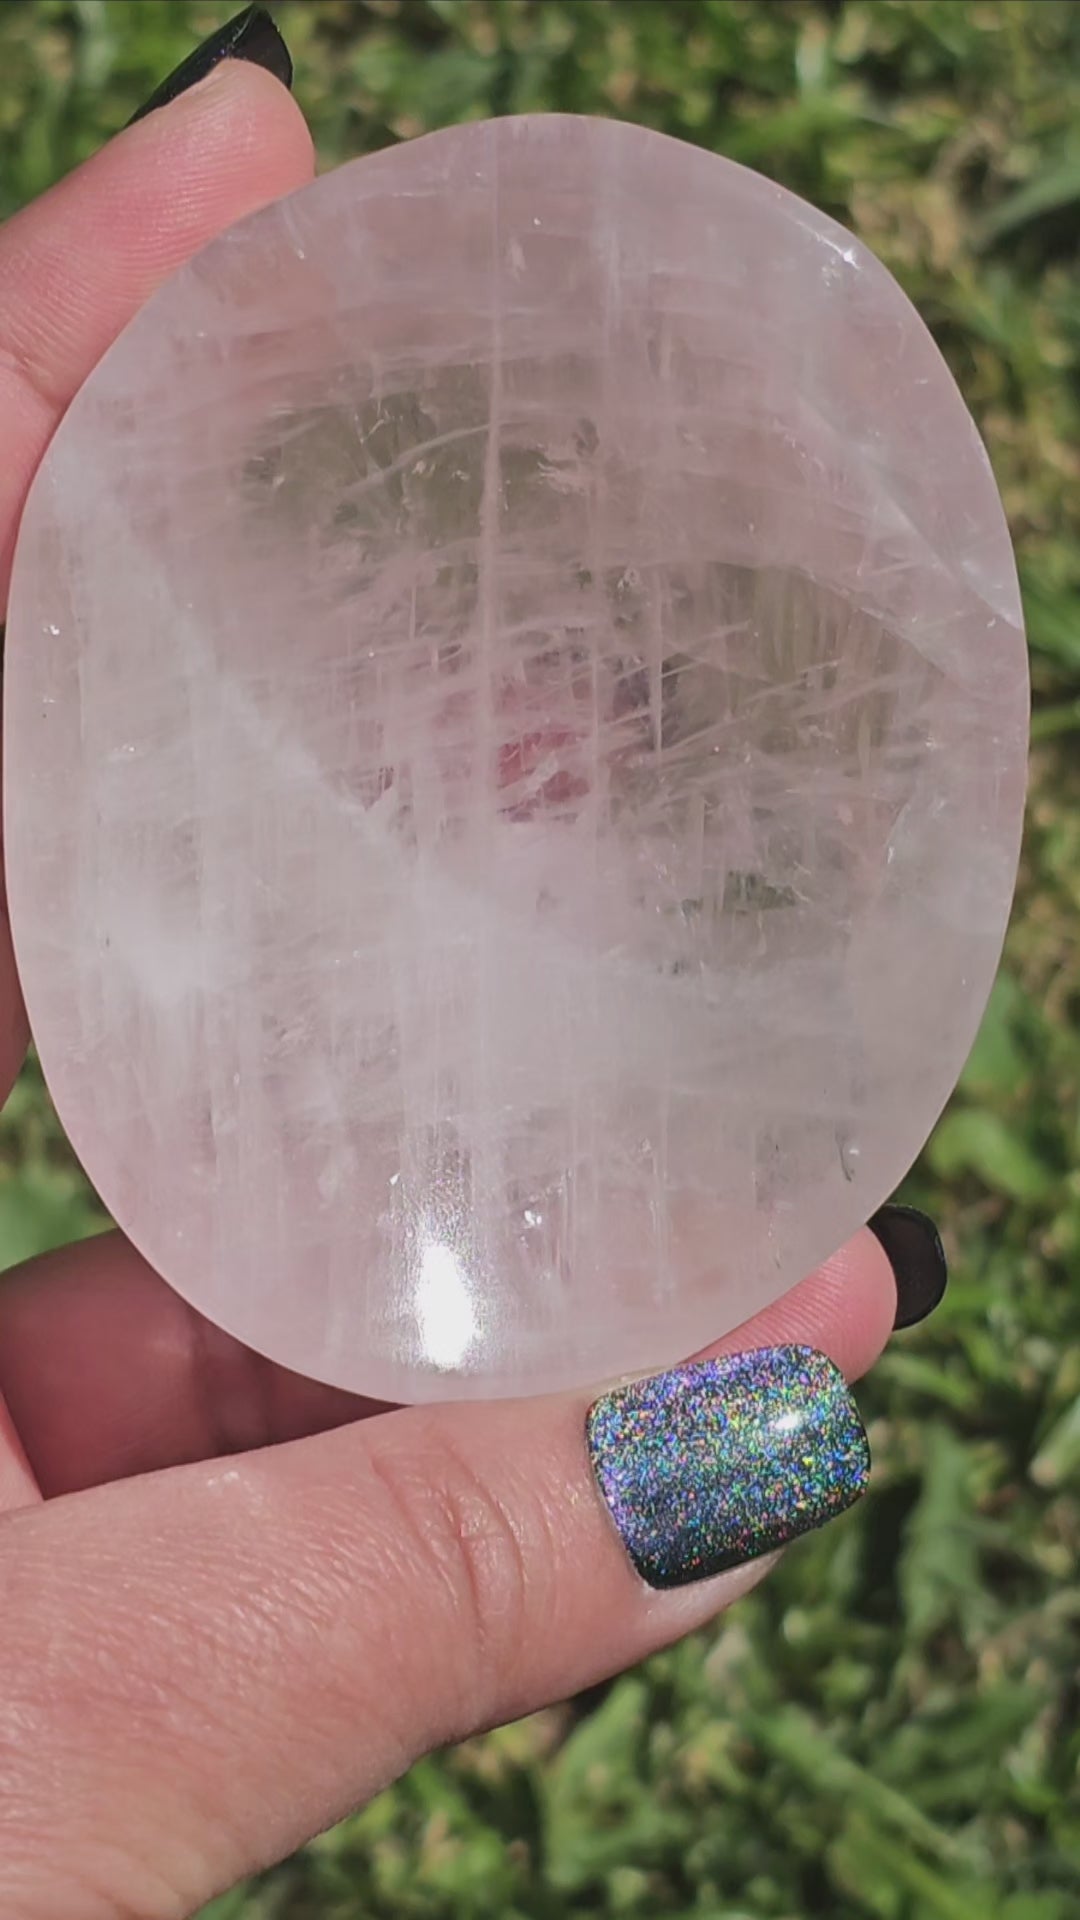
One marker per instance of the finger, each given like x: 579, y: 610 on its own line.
x: 351, y: 1600
x: 108, y: 1372
x: 76, y: 264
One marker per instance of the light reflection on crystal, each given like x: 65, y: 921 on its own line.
x: 445, y: 1314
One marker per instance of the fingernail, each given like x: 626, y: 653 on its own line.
x: 720, y: 1461
x: 250, y: 35
x: 917, y: 1257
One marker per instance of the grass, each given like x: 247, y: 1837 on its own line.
x: 889, y: 1730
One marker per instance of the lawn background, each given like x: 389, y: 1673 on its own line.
x: 889, y: 1730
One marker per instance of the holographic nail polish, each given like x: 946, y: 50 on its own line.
x: 722, y: 1460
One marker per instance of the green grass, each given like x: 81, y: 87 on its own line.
x: 889, y: 1730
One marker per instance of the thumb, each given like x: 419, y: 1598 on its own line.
x: 205, y: 1666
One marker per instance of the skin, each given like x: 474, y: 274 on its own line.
x: 237, y: 1604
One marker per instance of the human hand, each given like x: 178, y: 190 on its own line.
x: 237, y: 1603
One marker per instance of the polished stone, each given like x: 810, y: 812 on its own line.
x: 515, y: 737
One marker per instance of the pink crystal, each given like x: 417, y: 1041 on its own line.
x: 515, y: 743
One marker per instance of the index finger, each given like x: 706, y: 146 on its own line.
x: 77, y: 263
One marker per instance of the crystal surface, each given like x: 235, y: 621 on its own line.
x: 515, y: 728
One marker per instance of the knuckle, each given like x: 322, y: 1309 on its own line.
x: 475, y: 1557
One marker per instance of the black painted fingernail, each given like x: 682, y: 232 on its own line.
x: 251, y: 35
x: 913, y: 1245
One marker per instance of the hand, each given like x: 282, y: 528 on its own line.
x: 234, y: 1603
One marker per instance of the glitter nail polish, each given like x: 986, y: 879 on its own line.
x: 719, y: 1461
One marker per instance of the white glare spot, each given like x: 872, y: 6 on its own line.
x: 788, y: 1422
x: 444, y: 1309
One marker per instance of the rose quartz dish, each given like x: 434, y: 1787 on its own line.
x: 515, y: 736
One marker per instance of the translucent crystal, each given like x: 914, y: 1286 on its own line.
x: 516, y: 720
